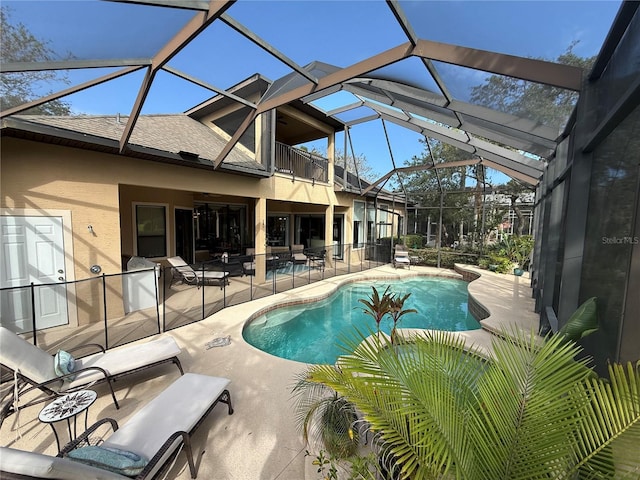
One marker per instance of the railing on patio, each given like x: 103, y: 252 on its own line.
x: 300, y: 163
x: 116, y: 309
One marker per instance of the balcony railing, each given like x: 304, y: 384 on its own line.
x: 301, y: 164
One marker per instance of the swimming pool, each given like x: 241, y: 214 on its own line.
x: 310, y: 332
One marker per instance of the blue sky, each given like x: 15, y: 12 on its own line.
x: 336, y: 32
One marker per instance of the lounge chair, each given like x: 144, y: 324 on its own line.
x: 35, y: 369
x: 249, y: 264
x: 401, y: 257
x: 297, y: 254
x: 153, y: 433
x: 187, y: 274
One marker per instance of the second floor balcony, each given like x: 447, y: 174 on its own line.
x: 300, y: 163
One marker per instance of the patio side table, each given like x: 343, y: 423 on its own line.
x: 68, y: 407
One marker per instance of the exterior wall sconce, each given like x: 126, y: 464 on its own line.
x: 90, y: 228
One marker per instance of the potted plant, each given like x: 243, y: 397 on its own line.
x: 327, y: 419
x: 518, y: 249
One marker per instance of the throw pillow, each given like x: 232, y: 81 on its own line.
x: 63, y: 364
x: 115, y: 460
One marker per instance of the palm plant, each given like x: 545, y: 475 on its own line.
x: 377, y: 306
x: 327, y: 420
x: 397, y: 311
x: 531, y: 411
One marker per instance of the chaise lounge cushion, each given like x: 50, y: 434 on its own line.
x: 124, y: 359
x: 37, y: 465
x: 22, y: 356
x: 178, y: 408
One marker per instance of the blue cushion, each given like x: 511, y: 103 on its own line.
x: 64, y: 363
x: 108, y: 458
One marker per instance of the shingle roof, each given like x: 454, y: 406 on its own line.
x: 172, y: 133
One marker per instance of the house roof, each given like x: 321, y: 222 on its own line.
x: 173, y: 138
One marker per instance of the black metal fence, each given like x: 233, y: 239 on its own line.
x: 116, y: 309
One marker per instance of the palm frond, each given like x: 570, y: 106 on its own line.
x: 414, y: 396
x: 530, y: 412
x: 609, y: 432
x: 526, y: 400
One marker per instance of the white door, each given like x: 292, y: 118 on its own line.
x: 32, y: 250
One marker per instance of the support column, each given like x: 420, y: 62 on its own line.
x: 328, y: 235
x: 331, y: 148
x: 261, y: 240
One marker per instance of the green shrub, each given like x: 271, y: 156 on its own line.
x: 413, y: 241
x: 484, y: 263
x: 517, y: 249
x: 500, y: 263
x: 448, y: 257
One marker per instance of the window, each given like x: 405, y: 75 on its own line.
x: 358, y: 224
x: 277, y: 230
x: 151, y: 230
x: 222, y: 228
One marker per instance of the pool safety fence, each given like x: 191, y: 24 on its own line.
x: 115, y: 309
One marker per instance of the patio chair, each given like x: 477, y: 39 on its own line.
x: 187, y: 274
x: 297, y: 255
x: 316, y: 258
x: 35, y: 369
x: 401, y: 257
x: 141, y: 448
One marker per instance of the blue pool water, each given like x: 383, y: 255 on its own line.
x: 311, y: 332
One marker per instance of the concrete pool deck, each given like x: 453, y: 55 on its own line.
x: 260, y: 440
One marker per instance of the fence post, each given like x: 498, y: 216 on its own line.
x: 274, y: 275
x: 164, y: 297
x: 33, y: 313
x: 104, y: 305
x: 203, y: 285
x: 156, y: 273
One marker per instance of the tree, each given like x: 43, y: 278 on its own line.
x: 531, y: 411
x: 425, y: 186
x: 515, y: 191
x: 358, y: 164
x: 17, y: 44
x: 361, y: 165
x: 546, y: 104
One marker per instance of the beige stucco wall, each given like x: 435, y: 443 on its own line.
x: 99, y: 189
x: 41, y: 177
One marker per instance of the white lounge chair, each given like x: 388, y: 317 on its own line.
x: 191, y: 276
x: 401, y: 257
x: 35, y: 369
x: 152, y: 434
x: 297, y: 254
